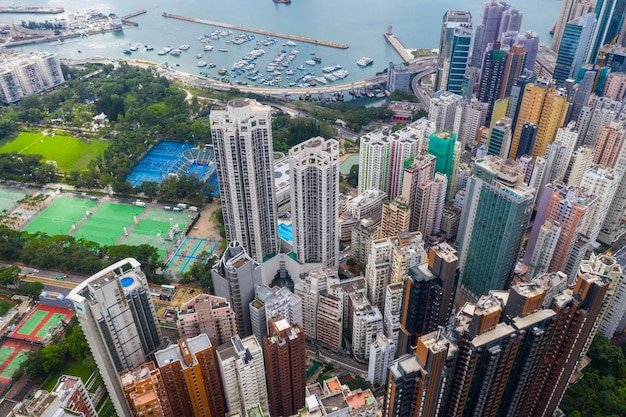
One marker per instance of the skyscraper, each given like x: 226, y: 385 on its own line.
x: 570, y: 10
x: 495, y: 215
x: 396, y: 218
x: 454, y: 50
x: 235, y: 277
x: 120, y: 324
x: 285, y: 354
x: 488, y: 30
x: 610, y: 15
x: 492, y: 75
x: 574, y: 47
x: 242, y: 139
x: 314, y: 166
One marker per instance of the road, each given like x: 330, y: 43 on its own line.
x: 336, y: 359
x: 417, y: 88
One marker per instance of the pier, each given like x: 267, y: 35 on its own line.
x: 258, y: 31
x: 39, y: 10
x: 397, y: 45
x: 126, y: 19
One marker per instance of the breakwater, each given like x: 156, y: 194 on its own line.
x: 258, y: 31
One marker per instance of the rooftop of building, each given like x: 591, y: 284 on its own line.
x: 358, y: 399
x: 531, y: 320
x: 435, y: 341
x: 334, y: 402
x: 281, y: 174
x: 501, y: 331
x: 254, y: 411
x: 332, y: 385
x: 144, y: 398
x: 405, y: 365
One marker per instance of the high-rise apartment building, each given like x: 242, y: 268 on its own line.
x: 615, y: 86
x: 492, y: 75
x: 544, y: 106
x: 190, y: 378
x: 429, y: 291
x: 405, y: 144
x: 118, y: 318
x: 242, y: 140
x: 581, y: 161
x: 374, y: 160
x: 454, y: 50
x: 235, y: 278
x: 417, y: 383
x: 488, y: 30
x: 210, y: 315
x: 603, y: 183
x: 314, y: 171
x: 609, y: 143
x: 495, y: 215
x: 284, y: 349
x: 69, y: 397
x: 24, y: 75
x: 443, y: 108
x: 444, y: 146
x: 243, y: 374
x: 382, y: 352
x: 396, y: 218
x: 146, y: 392
x: 500, y: 138
x: 378, y: 270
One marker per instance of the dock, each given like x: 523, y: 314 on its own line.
x: 258, y: 31
x: 39, y: 10
x: 397, y: 45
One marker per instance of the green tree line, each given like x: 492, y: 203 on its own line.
x: 602, y: 390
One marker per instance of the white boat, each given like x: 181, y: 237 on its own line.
x: 309, y: 62
x: 175, y: 52
x: 184, y: 47
x: 364, y: 62
x: 290, y: 43
x: 207, y: 48
x: 164, y: 51
x: 223, y: 49
x: 198, y: 56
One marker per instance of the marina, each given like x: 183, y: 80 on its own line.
x: 258, y: 31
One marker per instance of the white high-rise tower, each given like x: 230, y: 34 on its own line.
x: 120, y: 323
x: 242, y: 139
x: 314, y: 170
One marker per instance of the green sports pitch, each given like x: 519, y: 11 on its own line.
x: 69, y: 153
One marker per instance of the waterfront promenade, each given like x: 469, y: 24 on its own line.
x: 258, y: 31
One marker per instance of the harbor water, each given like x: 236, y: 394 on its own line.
x: 358, y: 23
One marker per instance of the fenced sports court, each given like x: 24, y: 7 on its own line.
x: 39, y: 321
x: 9, y: 198
x: 153, y: 228
x: 12, y: 354
x: 159, y: 161
x: 173, y: 158
x: 59, y: 216
x: 106, y: 225
x: 190, y: 251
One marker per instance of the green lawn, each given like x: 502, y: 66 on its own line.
x: 70, y: 153
x: 71, y: 367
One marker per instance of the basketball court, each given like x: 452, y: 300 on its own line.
x: 189, y: 252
